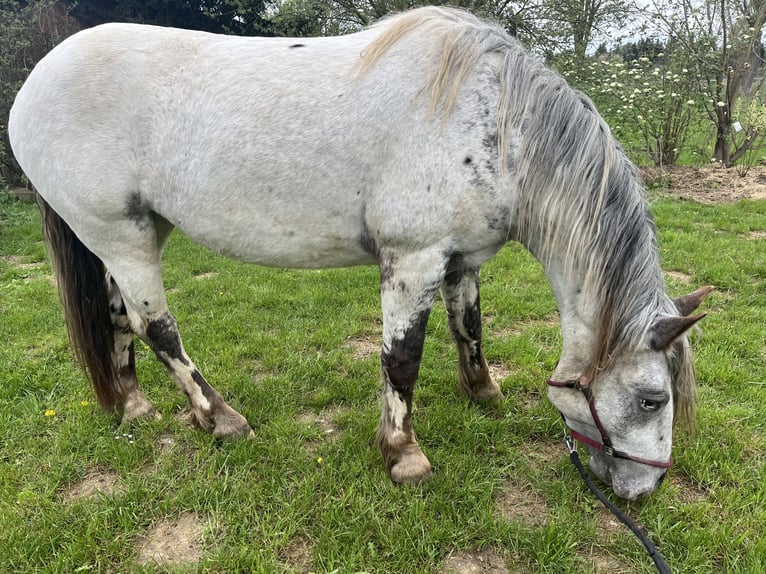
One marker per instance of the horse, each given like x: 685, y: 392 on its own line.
x: 421, y: 144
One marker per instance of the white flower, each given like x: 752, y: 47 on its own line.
x: 720, y: 104
x: 690, y: 103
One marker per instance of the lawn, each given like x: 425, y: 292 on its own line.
x: 296, y: 353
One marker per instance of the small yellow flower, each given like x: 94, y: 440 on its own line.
x: 50, y: 413
x: 319, y: 460
x: 84, y: 403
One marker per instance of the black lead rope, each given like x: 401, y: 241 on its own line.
x: 654, y: 554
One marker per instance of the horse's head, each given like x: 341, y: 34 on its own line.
x: 624, y: 414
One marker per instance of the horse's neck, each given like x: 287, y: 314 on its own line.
x: 578, y: 320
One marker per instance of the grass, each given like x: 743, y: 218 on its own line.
x: 290, y: 350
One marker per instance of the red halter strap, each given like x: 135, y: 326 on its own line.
x: 605, y: 445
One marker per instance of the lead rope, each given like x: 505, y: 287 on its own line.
x: 654, y: 554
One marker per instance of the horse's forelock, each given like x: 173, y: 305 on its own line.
x: 684, y: 384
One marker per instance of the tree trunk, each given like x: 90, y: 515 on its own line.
x: 721, y: 151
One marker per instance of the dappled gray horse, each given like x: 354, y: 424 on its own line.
x: 422, y: 144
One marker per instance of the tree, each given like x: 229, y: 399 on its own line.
x: 223, y: 16
x: 322, y: 17
x: 30, y: 30
x: 577, y: 21
x: 722, y: 40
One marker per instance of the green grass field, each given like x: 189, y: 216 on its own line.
x: 295, y: 352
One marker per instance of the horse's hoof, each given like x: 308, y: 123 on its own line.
x: 232, y: 425
x: 139, y: 410
x: 491, y: 394
x: 412, y: 468
x: 480, y: 389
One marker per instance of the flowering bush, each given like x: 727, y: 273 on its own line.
x: 648, y: 102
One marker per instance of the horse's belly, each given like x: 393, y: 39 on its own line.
x: 307, y: 242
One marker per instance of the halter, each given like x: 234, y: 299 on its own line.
x: 605, y: 445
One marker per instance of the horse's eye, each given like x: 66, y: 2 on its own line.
x: 648, y: 405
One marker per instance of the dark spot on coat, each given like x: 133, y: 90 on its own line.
x: 207, y: 390
x: 401, y: 361
x: 162, y: 336
x: 298, y: 46
x: 467, y: 160
x: 138, y: 212
x: 368, y: 241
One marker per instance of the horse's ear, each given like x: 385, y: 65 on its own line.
x: 688, y: 303
x: 667, y: 330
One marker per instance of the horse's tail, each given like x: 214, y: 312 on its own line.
x: 83, y: 291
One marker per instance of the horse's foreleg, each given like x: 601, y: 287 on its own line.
x: 134, y: 404
x: 460, y: 292
x: 408, y: 287
x: 209, y: 411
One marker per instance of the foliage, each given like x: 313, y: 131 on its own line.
x: 749, y: 115
x: 722, y: 44
x: 222, y: 16
x: 30, y: 29
x: 648, y: 101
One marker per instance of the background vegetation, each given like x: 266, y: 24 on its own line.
x: 678, y: 80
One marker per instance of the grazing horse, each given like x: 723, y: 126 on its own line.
x: 421, y: 144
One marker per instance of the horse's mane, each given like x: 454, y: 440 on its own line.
x: 581, y: 200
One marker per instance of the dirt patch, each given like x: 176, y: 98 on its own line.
x: 603, y: 563
x: 518, y: 329
x: 479, y: 562
x: 709, y: 184
x: 363, y: 346
x: 208, y: 275
x: 688, y: 491
x: 173, y: 542
x: 756, y: 235
x: 324, y: 423
x: 297, y: 556
x: 499, y: 372
x: 96, y: 483
x: 30, y: 269
x: 542, y: 455
x: 518, y: 502
x: 679, y: 277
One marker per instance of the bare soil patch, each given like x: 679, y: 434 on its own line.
x: 478, y: 562
x: 208, y: 275
x: 688, y: 491
x: 604, y: 563
x: 173, y: 542
x: 363, y: 346
x: 709, y: 184
x: 518, y: 502
x: 297, y: 556
x: 96, y: 483
x: 326, y: 425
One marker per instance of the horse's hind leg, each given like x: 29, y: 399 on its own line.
x: 209, y: 411
x: 460, y: 292
x: 138, y: 279
x: 134, y: 404
x: 408, y: 287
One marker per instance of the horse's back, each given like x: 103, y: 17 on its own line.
x: 223, y: 136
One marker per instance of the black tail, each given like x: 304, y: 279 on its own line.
x: 83, y: 292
